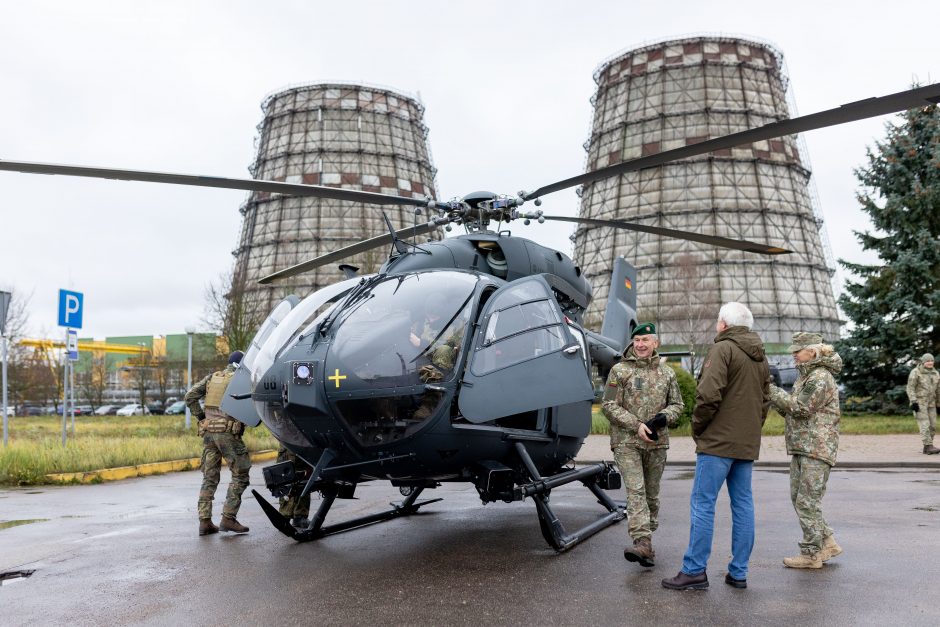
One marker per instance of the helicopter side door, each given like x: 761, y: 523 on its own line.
x: 523, y: 357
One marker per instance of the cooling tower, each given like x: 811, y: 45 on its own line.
x: 339, y: 135
x: 675, y: 93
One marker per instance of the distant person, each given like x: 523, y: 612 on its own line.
x: 811, y: 414
x: 641, y: 399
x: 731, y: 404
x: 221, y: 437
x: 923, y: 391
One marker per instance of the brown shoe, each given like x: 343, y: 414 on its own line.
x: 230, y: 524
x: 641, y: 552
x: 930, y: 449
x: 687, y: 582
x: 804, y: 560
x: 830, y: 549
x: 206, y: 527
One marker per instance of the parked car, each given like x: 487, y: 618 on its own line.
x: 34, y: 411
x: 83, y: 410
x: 106, y: 410
x: 155, y: 408
x: 10, y: 410
x: 133, y: 409
x: 178, y: 407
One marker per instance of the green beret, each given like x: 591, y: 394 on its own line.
x: 803, y: 339
x: 647, y: 328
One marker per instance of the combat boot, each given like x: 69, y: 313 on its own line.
x: 230, y: 524
x: 206, y: 527
x: 299, y: 522
x: 804, y: 560
x: 930, y: 449
x: 830, y: 549
x: 641, y: 552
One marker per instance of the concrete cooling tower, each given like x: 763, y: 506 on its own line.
x: 681, y: 92
x: 340, y: 135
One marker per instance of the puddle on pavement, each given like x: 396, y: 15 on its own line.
x: 6, y: 524
x: 683, y: 476
x: 14, y: 576
x: 928, y: 508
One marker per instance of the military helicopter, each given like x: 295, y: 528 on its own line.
x: 460, y: 360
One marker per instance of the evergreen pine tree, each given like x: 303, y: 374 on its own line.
x: 895, y: 307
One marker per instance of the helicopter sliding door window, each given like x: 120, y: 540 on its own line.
x: 524, y: 357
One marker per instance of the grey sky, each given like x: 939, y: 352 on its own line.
x: 176, y: 86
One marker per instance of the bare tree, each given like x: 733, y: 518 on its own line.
x: 162, y: 378
x: 683, y: 305
x: 232, y: 312
x: 94, y: 381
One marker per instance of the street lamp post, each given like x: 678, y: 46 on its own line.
x: 189, y: 370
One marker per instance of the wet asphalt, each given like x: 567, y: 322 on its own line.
x: 128, y: 553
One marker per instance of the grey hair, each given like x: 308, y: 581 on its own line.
x: 736, y: 315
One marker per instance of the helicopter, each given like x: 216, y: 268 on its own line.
x: 463, y: 359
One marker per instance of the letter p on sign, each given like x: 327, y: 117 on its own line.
x: 70, y: 309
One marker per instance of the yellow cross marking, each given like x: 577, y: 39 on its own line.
x: 337, y: 377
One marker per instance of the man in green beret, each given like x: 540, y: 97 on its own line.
x: 641, y: 400
x: 923, y: 391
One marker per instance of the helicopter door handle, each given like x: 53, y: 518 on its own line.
x: 571, y: 350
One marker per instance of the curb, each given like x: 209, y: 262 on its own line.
x: 142, y: 470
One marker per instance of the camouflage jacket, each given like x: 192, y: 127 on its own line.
x: 812, y: 411
x: 923, y: 386
x: 637, y: 389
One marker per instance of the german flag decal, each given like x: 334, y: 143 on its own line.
x: 628, y: 283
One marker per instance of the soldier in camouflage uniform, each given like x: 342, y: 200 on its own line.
x: 221, y: 438
x: 641, y: 399
x: 923, y: 391
x: 437, y: 350
x: 812, y: 416
x: 289, y: 506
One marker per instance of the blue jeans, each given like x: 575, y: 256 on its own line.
x: 710, y: 473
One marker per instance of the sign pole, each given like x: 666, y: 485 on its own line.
x: 65, y: 387
x: 5, y: 298
x: 72, y: 394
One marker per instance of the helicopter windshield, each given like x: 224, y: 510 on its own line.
x: 405, y: 330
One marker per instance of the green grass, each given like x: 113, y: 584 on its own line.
x: 866, y: 424
x: 35, y: 445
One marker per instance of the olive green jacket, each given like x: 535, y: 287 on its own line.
x: 732, y: 396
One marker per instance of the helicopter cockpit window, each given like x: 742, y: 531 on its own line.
x: 518, y: 330
x: 405, y: 330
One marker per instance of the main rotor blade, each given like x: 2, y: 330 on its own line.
x: 714, y: 240
x: 868, y: 108
x: 342, y: 253
x: 252, y: 185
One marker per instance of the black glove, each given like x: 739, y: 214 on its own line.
x: 915, y: 406
x: 656, y: 423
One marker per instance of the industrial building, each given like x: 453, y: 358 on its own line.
x: 679, y: 92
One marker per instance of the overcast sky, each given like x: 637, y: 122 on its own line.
x: 176, y: 86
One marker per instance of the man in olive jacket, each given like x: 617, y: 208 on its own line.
x: 731, y: 404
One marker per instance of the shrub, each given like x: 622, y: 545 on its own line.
x: 687, y: 389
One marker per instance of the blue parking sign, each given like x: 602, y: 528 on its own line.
x: 70, y: 309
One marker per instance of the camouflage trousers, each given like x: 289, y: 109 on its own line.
x: 927, y: 421
x: 215, y: 446
x: 808, y: 479
x: 290, y: 507
x: 642, y: 470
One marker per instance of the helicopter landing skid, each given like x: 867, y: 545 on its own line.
x: 539, y: 489
x: 316, y: 530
